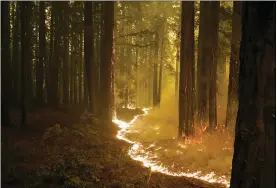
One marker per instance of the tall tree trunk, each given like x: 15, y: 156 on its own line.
x: 6, y: 62
x: 81, y: 68
x: 202, y: 67
x: 55, y: 64
x: 137, y: 79
x: 25, y: 17
x: 66, y: 54
x: 177, y: 64
x: 150, y: 75
x: 16, y: 53
x: 186, y: 111
x: 234, y: 64
x: 80, y: 65
x: 155, y: 72
x: 113, y: 104
x: 42, y: 54
x: 29, y: 54
x: 75, y: 80
x: 88, y: 47
x: 254, y: 159
x: 72, y: 78
x: 106, y: 64
x: 51, y: 54
x: 213, y: 56
x: 160, y: 73
x: 98, y: 51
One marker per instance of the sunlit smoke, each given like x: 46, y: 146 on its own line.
x: 149, y: 159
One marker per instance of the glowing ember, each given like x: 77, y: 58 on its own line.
x: 138, y: 153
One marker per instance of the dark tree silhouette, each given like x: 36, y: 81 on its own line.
x: 88, y: 49
x: 254, y: 159
x: 6, y: 61
x: 212, y: 56
x: 54, y: 64
x: 42, y: 53
x: 186, y: 86
x: 65, y: 56
x: 202, y: 64
x: 234, y: 63
x: 106, y: 64
x: 25, y: 17
x: 16, y: 54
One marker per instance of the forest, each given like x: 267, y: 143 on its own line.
x: 150, y: 94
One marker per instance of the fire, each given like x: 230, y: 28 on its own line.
x: 138, y: 153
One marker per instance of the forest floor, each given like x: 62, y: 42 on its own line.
x: 67, y: 149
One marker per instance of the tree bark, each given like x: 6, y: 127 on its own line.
x: 213, y: 56
x: 89, y: 59
x: 51, y: 54
x: 254, y: 158
x: 16, y: 53
x: 177, y: 64
x: 155, y: 72
x: 42, y: 53
x: 186, y: 111
x: 234, y: 64
x: 55, y: 64
x: 25, y: 17
x: 106, y: 64
x: 160, y: 74
x: 65, y: 53
x: 6, y: 62
x: 202, y: 67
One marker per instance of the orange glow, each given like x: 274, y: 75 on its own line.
x: 138, y: 152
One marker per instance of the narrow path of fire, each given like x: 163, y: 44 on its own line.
x: 138, y: 152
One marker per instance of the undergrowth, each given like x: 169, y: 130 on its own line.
x: 85, y: 154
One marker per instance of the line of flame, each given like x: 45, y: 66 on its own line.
x: 137, y: 148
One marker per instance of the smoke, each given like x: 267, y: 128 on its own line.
x: 205, y: 152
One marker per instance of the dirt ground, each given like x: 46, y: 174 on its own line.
x: 69, y: 149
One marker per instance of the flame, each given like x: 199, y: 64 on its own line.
x: 138, y: 153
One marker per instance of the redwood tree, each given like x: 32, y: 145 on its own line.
x: 234, y: 63
x: 186, y: 86
x: 42, y: 53
x: 212, y: 54
x: 202, y: 64
x: 25, y: 17
x: 89, y: 59
x: 106, y: 63
x: 254, y: 160
x: 6, y: 61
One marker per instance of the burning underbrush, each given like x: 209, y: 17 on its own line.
x: 80, y: 155
x: 206, y: 156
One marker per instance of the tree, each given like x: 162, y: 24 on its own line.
x: 155, y: 71
x: 106, y: 63
x: 202, y: 64
x: 25, y: 17
x: 177, y: 65
x: 6, y: 62
x: 212, y: 56
x: 234, y: 63
x: 54, y: 65
x: 207, y: 63
x: 186, y: 86
x: 16, y: 52
x: 89, y: 59
x: 254, y: 158
x: 42, y: 53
